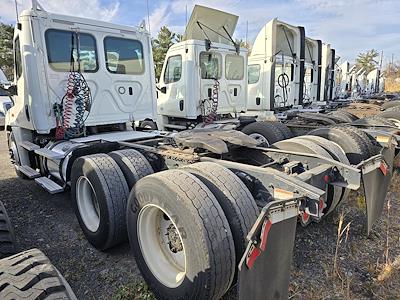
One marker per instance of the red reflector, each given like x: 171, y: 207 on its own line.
x: 326, y: 178
x: 251, y: 258
x: 321, y: 204
x: 383, y: 168
x: 264, y: 234
x: 305, y: 216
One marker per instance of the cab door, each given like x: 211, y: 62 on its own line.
x: 171, y: 88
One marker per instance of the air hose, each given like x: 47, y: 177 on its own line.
x: 212, y: 115
x: 283, y: 82
x: 76, y: 100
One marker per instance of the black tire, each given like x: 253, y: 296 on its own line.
x: 342, y: 116
x: 303, y: 144
x: 148, y: 124
x: 390, y: 115
x: 287, y: 133
x: 267, y: 130
x: 390, y: 104
x: 355, y: 150
x: 7, y: 235
x: 394, y: 108
x: 234, y: 197
x: 337, y: 154
x: 132, y: 164
x: 30, y: 275
x: 156, y: 161
x: 372, y: 150
x: 207, y: 239
x: 376, y: 121
x: 364, y: 137
x: 111, y: 193
x: 15, y: 160
x: 339, y: 118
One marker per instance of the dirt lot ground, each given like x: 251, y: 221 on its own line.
x: 366, y: 267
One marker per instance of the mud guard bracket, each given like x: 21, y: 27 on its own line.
x: 264, y: 270
x: 376, y: 175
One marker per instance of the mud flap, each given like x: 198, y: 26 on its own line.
x: 264, y: 271
x: 376, y: 175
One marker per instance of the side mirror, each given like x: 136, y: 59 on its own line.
x: 12, y: 90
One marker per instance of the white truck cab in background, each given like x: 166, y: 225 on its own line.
x: 312, y: 74
x: 5, y: 101
x: 204, y: 78
x: 329, y: 69
x: 276, y: 68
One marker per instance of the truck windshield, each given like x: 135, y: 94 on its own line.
x: 234, y: 67
x: 210, y: 65
x: 3, y: 93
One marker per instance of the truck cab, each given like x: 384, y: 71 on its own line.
x: 51, y: 51
x: 76, y: 77
x: 5, y: 101
x: 276, y: 68
x: 328, y: 73
x: 312, y: 73
x: 204, y: 77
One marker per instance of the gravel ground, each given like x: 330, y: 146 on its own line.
x: 47, y: 222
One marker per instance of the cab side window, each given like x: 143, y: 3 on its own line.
x: 17, y: 58
x: 123, y: 56
x: 210, y: 65
x: 62, y: 51
x: 253, y: 73
x: 173, y: 70
x: 234, y: 67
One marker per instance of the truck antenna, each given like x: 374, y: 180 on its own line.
x: 148, y: 16
x: 16, y: 10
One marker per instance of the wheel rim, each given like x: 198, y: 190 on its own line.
x: 14, y: 154
x: 161, y: 245
x: 259, y: 138
x: 88, y: 204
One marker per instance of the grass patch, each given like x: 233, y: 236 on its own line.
x: 133, y: 291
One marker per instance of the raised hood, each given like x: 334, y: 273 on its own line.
x: 213, y: 23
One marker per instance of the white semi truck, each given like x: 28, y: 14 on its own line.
x: 203, y: 209
x: 276, y: 66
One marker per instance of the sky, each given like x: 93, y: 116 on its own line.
x: 350, y: 26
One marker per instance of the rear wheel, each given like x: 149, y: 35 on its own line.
x: 287, y: 133
x: 394, y: 108
x: 303, y: 144
x: 356, y: 151
x: 264, y: 132
x: 180, y: 237
x: 343, y: 116
x: 234, y: 197
x: 148, y: 124
x: 390, y: 104
x: 378, y: 121
x: 99, y: 193
x: 368, y: 140
x: 30, y: 275
x: 7, y: 235
x: 132, y: 164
